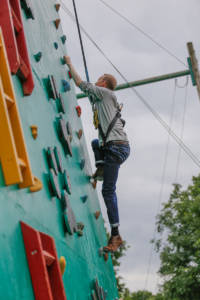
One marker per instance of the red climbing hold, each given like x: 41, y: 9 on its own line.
x: 78, y: 110
x: 69, y: 74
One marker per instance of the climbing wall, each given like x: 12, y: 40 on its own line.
x: 51, y: 226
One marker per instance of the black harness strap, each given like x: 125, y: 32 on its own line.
x: 110, y: 127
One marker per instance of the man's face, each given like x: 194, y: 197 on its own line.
x: 101, y: 82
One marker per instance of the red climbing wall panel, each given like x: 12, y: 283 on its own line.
x: 13, y: 31
x: 9, y: 36
x: 43, y: 264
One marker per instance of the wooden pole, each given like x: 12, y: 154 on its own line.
x: 145, y: 81
x: 195, y: 67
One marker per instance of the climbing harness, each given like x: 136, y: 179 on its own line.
x: 95, y: 117
x: 111, y: 125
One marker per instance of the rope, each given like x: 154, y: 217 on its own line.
x: 179, y: 153
x: 182, y: 130
x: 143, y: 32
x: 162, y: 184
x: 81, y: 42
x: 155, y: 114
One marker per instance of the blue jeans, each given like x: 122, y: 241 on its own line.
x: 110, y: 157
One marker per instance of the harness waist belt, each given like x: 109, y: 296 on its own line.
x: 117, y: 143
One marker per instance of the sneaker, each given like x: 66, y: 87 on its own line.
x: 113, y: 244
x: 98, y: 175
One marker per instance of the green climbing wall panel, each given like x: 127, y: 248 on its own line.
x: 52, y: 99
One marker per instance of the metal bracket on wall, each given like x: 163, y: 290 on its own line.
x: 51, y: 87
x: 98, y: 293
x: 69, y: 217
x: 63, y: 136
x: 28, y: 9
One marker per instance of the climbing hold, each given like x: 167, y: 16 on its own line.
x: 69, y: 131
x: 62, y: 263
x: 64, y: 137
x: 38, y: 56
x: 94, y: 184
x: 34, y: 131
x: 63, y: 38
x: 78, y: 110
x: 105, y: 256
x: 27, y: 8
x: 69, y: 74
x: 51, y: 160
x: 66, y: 86
x: 69, y: 217
x: 65, y: 200
x: 98, y: 292
x: 37, y: 185
x: 55, y: 45
x: 103, y: 253
x: 84, y: 198
x: 61, y: 105
x: 80, y: 226
x: 57, y: 23
x: 97, y: 214
x: 66, y: 182
x: 58, y: 159
x: 57, y: 6
x: 80, y: 233
x: 80, y: 133
x: 53, y: 184
x: 82, y: 164
x: 51, y: 87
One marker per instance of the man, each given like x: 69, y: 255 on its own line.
x: 112, y: 148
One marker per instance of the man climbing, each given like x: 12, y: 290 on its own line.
x: 112, y: 147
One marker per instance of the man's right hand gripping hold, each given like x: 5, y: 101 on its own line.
x: 112, y: 147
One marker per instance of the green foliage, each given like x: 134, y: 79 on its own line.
x: 179, y: 220
x: 142, y: 295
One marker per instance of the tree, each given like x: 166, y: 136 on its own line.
x: 143, y: 295
x: 180, y: 250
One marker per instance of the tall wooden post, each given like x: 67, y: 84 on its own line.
x: 195, y: 67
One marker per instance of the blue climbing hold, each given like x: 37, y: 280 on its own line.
x: 56, y: 45
x: 82, y: 164
x: 84, y: 198
x: 66, y: 85
x: 38, y: 56
x: 63, y: 38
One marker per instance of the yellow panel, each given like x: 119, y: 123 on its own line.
x: 11, y: 129
x: 8, y: 153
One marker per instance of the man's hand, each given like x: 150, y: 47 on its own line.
x: 76, y: 77
x: 67, y: 60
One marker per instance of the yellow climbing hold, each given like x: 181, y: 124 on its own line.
x: 62, y: 263
x: 37, y: 185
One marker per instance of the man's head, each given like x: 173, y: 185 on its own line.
x: 108, y: 81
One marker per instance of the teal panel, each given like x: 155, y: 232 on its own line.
x: 39, y: 209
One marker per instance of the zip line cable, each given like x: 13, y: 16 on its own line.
x: 155, y: 114
x: 182, y: 129
x: 143, y: 32
x: 163, y: 177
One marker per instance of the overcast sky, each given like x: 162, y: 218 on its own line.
x: 154, y: 156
